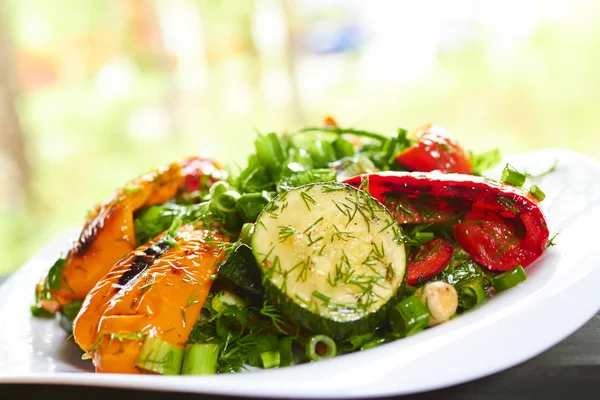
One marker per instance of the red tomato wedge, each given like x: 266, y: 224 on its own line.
x: 435, y: 150
x: 501, y: 226
x: 426, y: 262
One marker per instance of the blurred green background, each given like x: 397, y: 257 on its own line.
x: 94, y: 93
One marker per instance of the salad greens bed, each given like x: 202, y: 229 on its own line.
x: 251, y: 318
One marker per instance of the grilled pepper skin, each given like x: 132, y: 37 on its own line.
x: 427, y: 262
x: 109, y: 233
x: 500, y: 226
x: 162, y: 297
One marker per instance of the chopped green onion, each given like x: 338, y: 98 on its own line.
x: 379, y: 340
x: 226, y: 202
x: 355, y: 342
x: 470, y: 294
x: 218, y: 188
x: 246, y: 233
x: 509, y: 279
x: 270, y: 359
x: 225, y: 298
x: 161, y: 357
x: 326, y: 341
x: 285, y: 351
x: 537, y: 192
x: 513, y: 177
x: 343, y: 148
x: 200, y: 359
x: 423, y: 237
x: 322, y: 153
x: 264, y: 344
x: 408, y: 317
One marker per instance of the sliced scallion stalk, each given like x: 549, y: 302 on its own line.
x: 200, y: 359
x: 311, y: 347
x: 285, y: 351
x: 161, y: 357
x: 513, y: 177
x: 509, y: 279
x: 408, y: 317
x: 218, y: 188
x: 470, y: 294
x: 225, y: 298
x: 246, y: 233
x: 423, y: 237
x: 226, y: 202
x: 379, y: 340
x: 270, y: 359
x: 537, y: 192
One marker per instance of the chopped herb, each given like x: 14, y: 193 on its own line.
x: 537, y: 192
x: 552, y: 241
x: 484, y: 161
x: 513, y: 177
x: 321, y: 296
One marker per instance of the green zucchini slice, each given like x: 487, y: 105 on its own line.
x: 332, y: 258
x: 240, y: 268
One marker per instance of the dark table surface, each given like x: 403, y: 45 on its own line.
x: 569, y: 370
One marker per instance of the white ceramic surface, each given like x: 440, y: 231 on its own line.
x: 559, y: 296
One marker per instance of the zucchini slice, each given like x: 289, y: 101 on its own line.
x: 240, y: 268
x: 332, y: 258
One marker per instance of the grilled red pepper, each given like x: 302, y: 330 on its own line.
x: 200, y: 173
x: 426, y: 262
x: 500, y: 226
x: 435, y: 149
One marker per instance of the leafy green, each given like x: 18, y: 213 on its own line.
x: 151, y: 221
x: 306, y: 177
x: 243, y: 333
x: 39, y: 312
x: 464, y: 273
x: 484, y: 161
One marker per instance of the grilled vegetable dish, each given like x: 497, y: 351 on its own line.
x: 329, y: 241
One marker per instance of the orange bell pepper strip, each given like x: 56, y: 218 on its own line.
x: 109, y: 233
x: 156, y: 290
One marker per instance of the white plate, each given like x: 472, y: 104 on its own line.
x: 559, y: 296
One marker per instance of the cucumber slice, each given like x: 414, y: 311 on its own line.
x: 331, y: 256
